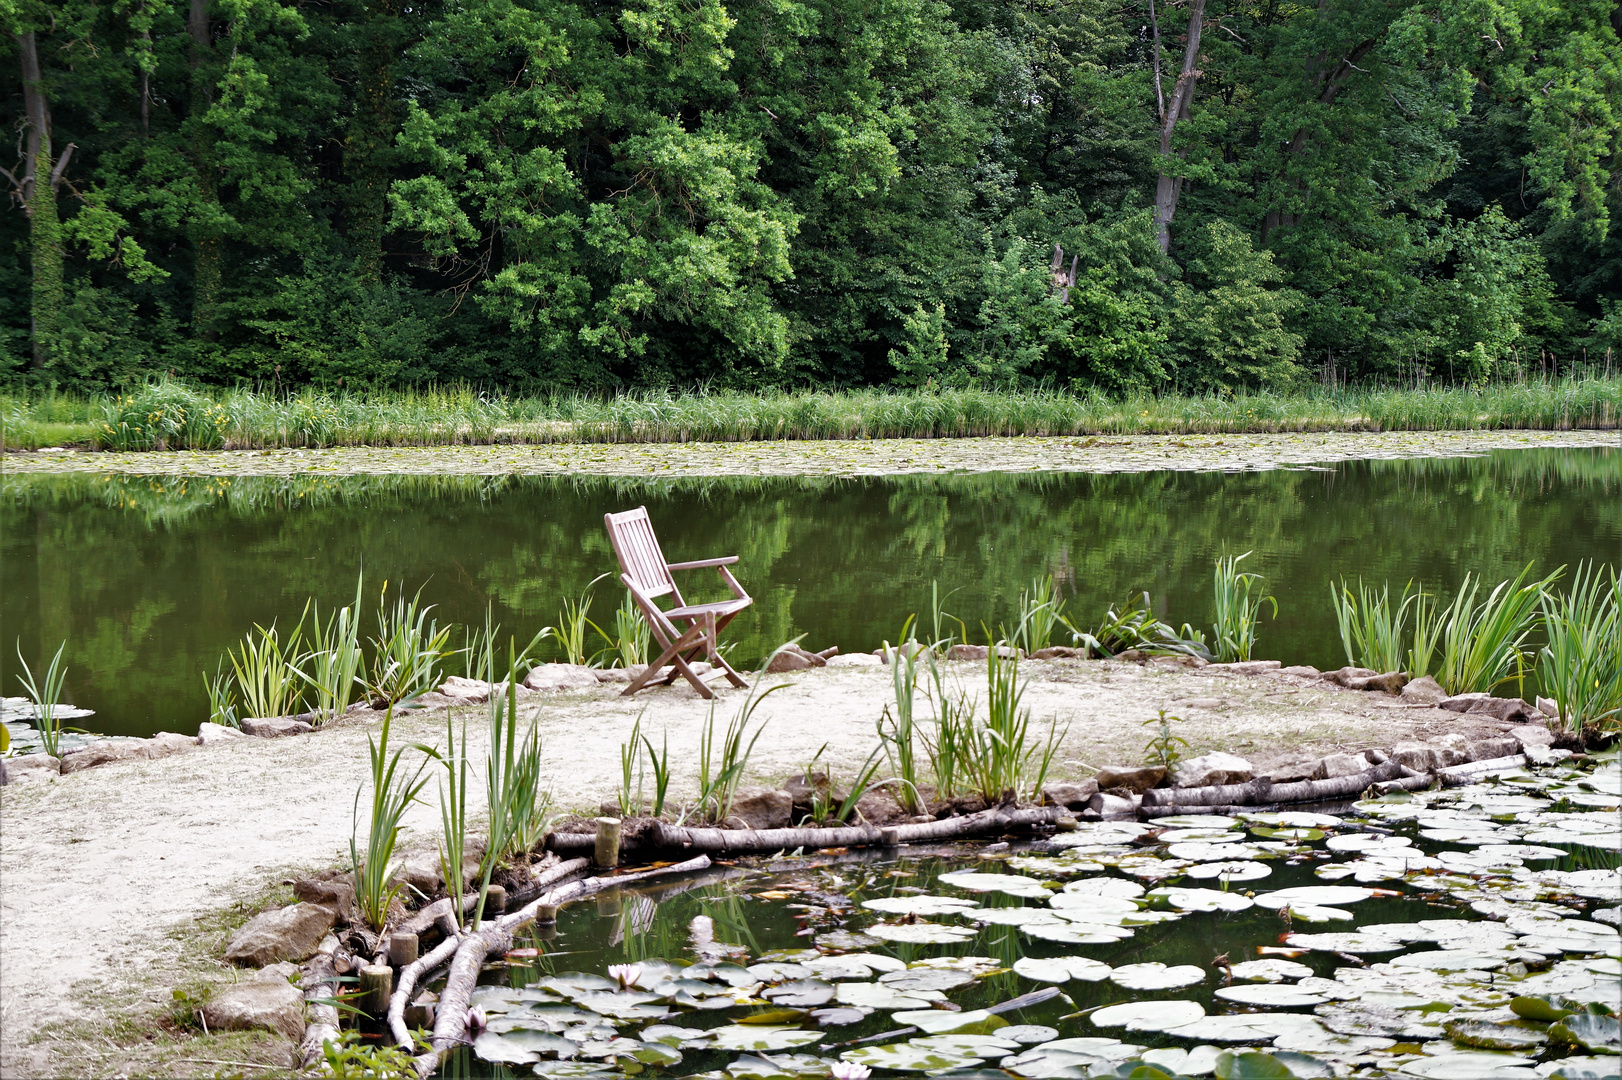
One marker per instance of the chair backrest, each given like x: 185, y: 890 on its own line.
x: 637, y: 549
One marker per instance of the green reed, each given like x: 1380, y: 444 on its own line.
x: 408, y: 649
x: 949, y: 741
x: 266, y: 670
x: 896, y: 730
x: 519, y: 806
x: 46, y: 694
x: 1373, y: 632
x: 1003, y: 758
x: 1238, y: 608
x: 570, y: 633
x: 632, y: 638
x: 332, y: 667
x: 1482, y: 643
x: 221, y: 699
x: 453, y: 789
x: 1041, y: 612
x: 722, y: 760
x: 1581, y: 665
x: 394, y: 789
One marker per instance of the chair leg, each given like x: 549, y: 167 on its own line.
x: 672, y: 655
x: 732, y: 674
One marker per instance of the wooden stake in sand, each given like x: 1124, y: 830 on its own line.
x: 607, y: 853
x: 402, y: 949
x: 376, y: 983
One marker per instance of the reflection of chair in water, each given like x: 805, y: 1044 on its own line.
x: 647, y: 575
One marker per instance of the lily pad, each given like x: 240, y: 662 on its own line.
x: 904, y: 1057
x: 983, y: 1046
x: 1194, y: 821
x: 1358, y: 944
x: 1202, y: 899
x: 1231, y: 870
x: 757, y: 1039
x: 940, y: 1022
x: 1013, y: 916
x: 1598, y: 1034
x: 750, y: 1067
x: 1270, y: 996
x: 801, y: 994
x: 1156, y: 976
x: 921, y: 933
x: 1470, y: 1066
x: 1313, y: 895
x: 1148, y: 1015
x: 1012, y: 884
x: 513, y: 1048
x: 1068, y: 1057
x: 888, y: 998
x: 1078, y: 933
x: 924, y: 978
x: 1104, y: 886
x: 1269, y: 971
x: 1060, y: 969
x: 1490, y: 1035
x: 920, y: 905
x: 1029, y: 1033
x: 1452, y: 960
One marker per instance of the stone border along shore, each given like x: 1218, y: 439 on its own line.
x: 833, y: 458
x: 322, y: 932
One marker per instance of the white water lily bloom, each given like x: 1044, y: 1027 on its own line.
x: 849, y: 1070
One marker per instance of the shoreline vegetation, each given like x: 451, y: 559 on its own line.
x: 170, y: 415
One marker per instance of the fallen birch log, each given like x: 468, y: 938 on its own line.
x: 408, y: 984
x: 323, y: 1015
x: 563, y: 871
x: 1470, y: 772
x: 1249, y: 793
x: 450, y: 1020
x: 1338, y: 787
x: 979, y: 824
x: 579, y: 890
x: 746, y: 841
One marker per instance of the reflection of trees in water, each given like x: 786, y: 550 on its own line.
x: 150, y: 578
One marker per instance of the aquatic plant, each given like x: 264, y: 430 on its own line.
x: 1000, y: 751
x: 632, y: 636
x: 46, y: 696
x: 1373, y: 633
x: 1483, y: 644
x: 828, y: 807
x: 332, y: 667
x: 393, y: 792
x: 570, y: 633
x: 1163, y: 749
x: 1127, y: 625
x: 453, y: 789
x: 267, y: 675
x: 721, y: 763
x: 896, y: 731
x: 631, y: 800
x: 1041, y: 612
x: 940, y: 638
x: 519, y: 807
x: 222, y: 700
x: 1581, y: 666
x: 952, y: 736
x: 408, y: 648
x: 350, y: 1057
x: 1237, y: 609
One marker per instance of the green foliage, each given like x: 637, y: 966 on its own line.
x: 221, y: 700
x: 721, y: 764
x: 1235, y: 331
x: 518, y: 804
x: 267, y: 673
x: 570, y: 633
x: 1373, y: 633
x: 632, y: 635
x: 346, y: 1058
x: 922, y: 356
x: 1163, y: 749
x: 333, y: 667
x: 46, y: 694
x: 407, y: 651
x: 1482, y: 643
x: 393, y: 789
x: 897, y: 731
x: 1581, y: 666
x: 1237, y: 609
x: 1002, y: 760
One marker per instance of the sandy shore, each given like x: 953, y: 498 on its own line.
x: 106, y: 875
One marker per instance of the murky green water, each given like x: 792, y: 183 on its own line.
x: 149, y: 579
x: 1399, y: 932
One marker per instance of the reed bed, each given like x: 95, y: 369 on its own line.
x: 173, y: 415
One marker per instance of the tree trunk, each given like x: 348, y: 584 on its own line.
x: 371, y: 134
x: 206, y: 244
x: 37, y: 190
x: 1168, y: 187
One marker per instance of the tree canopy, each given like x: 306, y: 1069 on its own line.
x: 1109, y: 194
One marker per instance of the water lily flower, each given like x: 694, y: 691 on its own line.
x: 476, y: 1021
x: 849, y: 1070
x: 625, y: 974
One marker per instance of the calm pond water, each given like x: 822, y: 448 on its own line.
x: 148, y: 579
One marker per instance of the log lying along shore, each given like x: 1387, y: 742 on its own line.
x: 663, y: 837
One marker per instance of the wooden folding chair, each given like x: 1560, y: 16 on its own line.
x: 647, y: 575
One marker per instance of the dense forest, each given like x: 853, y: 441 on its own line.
x: 1110, y: 194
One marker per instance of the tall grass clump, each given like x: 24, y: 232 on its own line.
x: 897, y: 730
x: 519, y: 806
x: 1041, y: 612
x: 722, y: 760
x: 950, y: 739
x: 453, y: 789
x: 332, y: 667
x: 1238, y: 609
x: 1002, y: 758
x: 631, y: 798
x: 1372, y: 631
x: 1581, y: 666
x: 1481, y: 643
x: 266, y: 670
x: 570, y: 633
x: 46, y: 695
x: 222, y: 700
x: 394, y: 789
x: 632, y: 637
x: 408, y: 649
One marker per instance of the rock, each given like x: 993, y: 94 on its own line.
x: 1056, y: 652
x: 1477, y: 704
x: 1452, y: 749
x: 1549, y: 707
x: 879, y: 807
x: 1424, y: 690
x: 1530, y: 735
x: 99, y: 753
x: 208, y: 734
x: 1183, y: 660
x: 1296, y: 769
x: 560, y: 677
x: 1306, y: 671
x: 1341, y: 676
x: 1391, y: 682
x: 282, y: 970
x: 32, y: 767
x: 289, y: 933
x: 1340, y: 765
x: 789, y: 660
x: 421, y: 872
x: 1214, y: 768
x: 165, y: 743
x: 468, y: 691
x: 968, y: 652
x: 1074, y: 796
x: 619, y: 674
x: 1415, y: 756
x: 1131, y: 656
x: 1462, y: 703
x: 274, y: 1005
x: 1135, y: 778
x: 1487, y: 749
x: 1200, y: 703
x: 854, y: 660
x: 763, y: 808
x: 330, y: 888
x: 1112, y: 807
x: 1248, y: 667
x: 274, y: 727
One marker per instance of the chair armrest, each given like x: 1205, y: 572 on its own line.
x: 702, y: 563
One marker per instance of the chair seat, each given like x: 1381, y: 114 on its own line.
x: 721, y: 607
